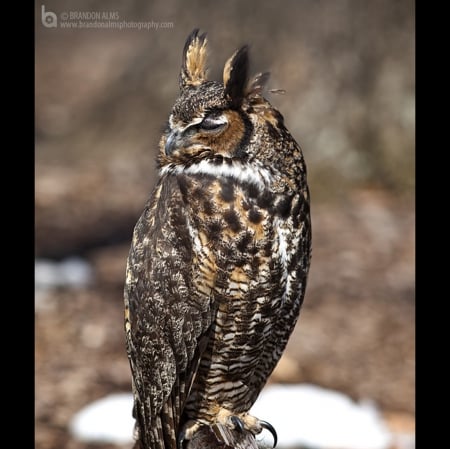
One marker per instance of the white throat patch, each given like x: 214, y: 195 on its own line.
x: 242, y: 172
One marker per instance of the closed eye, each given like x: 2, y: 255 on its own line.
x: 213, y: 124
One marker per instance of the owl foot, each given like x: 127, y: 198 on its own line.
x: 227, y: 420
x: 240, y: 426
x: 246, y: 422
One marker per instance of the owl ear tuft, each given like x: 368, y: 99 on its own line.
x: 257, y: 84
x: 193, y: 69
x: 235, y: 74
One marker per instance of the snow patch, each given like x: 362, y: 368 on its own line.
x: 107, y: 420
x: 71, y: 272
x: 307, y: 415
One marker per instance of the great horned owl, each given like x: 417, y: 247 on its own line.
x: 219, y: 260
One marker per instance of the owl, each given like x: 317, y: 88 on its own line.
x: 219, y: 260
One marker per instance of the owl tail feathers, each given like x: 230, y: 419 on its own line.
x: 154, y: 438
x: 160, y: 434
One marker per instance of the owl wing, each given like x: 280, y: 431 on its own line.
x: 166, y: 325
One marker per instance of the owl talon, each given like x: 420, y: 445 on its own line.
x: 271, y: 429
x: 237, y: 422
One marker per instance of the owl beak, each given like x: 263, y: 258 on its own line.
x: 172, y: 142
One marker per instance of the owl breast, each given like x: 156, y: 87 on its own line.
x: 244, y: 242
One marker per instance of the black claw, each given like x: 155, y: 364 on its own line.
x: 271, y: 429
x: 238, y: 424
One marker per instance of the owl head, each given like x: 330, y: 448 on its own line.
x: 211, y: 119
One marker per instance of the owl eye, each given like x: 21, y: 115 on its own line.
x: 213, y: 124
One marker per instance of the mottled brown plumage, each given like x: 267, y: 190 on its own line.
x: 218, y: 265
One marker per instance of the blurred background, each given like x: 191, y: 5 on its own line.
x: 102, y: 96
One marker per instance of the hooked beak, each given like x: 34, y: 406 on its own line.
x: 173, y: 142
x: 182, y: 139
